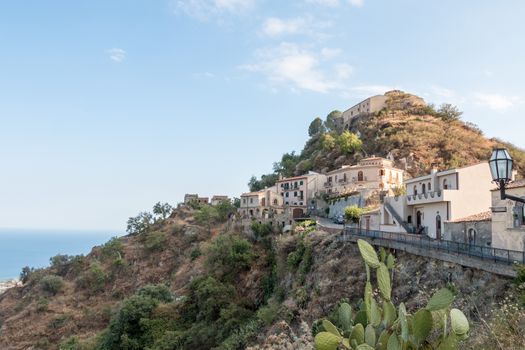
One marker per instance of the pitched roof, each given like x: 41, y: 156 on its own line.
x: 513, y: 184
x: 484, y: 216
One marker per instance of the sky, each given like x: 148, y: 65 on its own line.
x: 109, y: 106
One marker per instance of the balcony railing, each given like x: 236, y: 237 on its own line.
x: 437, y: 195
x: 482, y: 252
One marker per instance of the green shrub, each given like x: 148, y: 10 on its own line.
x: 52, y: 284
x: 94, y: 279
x: 195, y: 253
x: 42, y: 305
x: 228, y: 255
x: 59, y: 321
x: 261, y: 230
x: 155, y: 241
x: 268, y: 313
x: 112, y: 248
x: 353, y: 213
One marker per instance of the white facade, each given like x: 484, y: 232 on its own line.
x: 261, y: 204
x: 298, y: 193
x: 371, y: 173
x: 438, y: 197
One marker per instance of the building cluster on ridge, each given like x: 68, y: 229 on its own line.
x: 460, y: 205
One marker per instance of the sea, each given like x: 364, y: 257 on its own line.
x: 33, y: 248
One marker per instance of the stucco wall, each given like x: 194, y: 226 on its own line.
x: 459, y: 232
x: 504, y: 234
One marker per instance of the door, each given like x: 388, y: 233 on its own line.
x: 367, y: 223
x: 438, y: 227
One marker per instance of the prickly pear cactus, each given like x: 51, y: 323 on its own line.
x: 379, y: 325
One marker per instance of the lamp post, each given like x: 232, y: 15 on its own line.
x: 501, y: 165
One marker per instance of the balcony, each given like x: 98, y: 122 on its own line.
x: 428, y: 197
x: 328, y: 184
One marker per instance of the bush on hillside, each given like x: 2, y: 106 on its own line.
x: 261, y: 230
x: 94, y: 279
x: 155, y: 241
x: 52, y: 284
x: 353, y: 213
x: 228, y: 255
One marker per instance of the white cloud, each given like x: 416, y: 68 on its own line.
x: 442, y: 92
x: 306, y: 25
x: 329, y: 3
x: 117, y: 55
x: 329, y: 53
x: 335, y: 3
x: 297, y: 68
x: 213, y: 9
x: 357, y: 3
x: 496, y: 102
x: 369, y: 90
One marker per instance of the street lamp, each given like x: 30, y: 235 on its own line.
x: 501, y: 165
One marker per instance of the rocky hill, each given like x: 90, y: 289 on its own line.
x: 179, y: 285
x: 417, y: 136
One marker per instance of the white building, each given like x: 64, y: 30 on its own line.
x: 438, y: 197
x: 373, y: 173
x: 299, y: 193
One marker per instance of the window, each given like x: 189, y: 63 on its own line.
x: 300, y: 203
x: 251, y: 200
x: 295, y: 194
x: 302, y: 194
x: 287, y: 194
x: 519, y: 215
x: 360, y: 176
x: 244, y: 201
x: 301, y: 182
x: 445, y: 184
x: 382, y: 172
x: 415, y: 189
x: 275, y: 201
x: 429, y: 187
x: 423, y: 188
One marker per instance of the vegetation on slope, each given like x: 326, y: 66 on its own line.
x: 419, y: 137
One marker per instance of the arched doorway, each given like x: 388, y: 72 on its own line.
x: 423, y: 189
x: 445, y: 184
x: 438, y: 227
x: 360, y: 176
x: 471, y: 236
x: 297, y: 213
x: 419, y: 219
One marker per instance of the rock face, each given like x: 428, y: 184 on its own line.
x: 5, y: 285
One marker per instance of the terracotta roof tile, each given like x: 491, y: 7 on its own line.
x: 484, y: 216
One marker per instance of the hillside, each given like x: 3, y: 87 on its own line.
x: 179, y: 285
x: 418, y: 137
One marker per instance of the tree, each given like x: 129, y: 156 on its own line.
x: 225, y: 209
x: 162, y: 210
x: 316, y: 127
x: 286, y: 167
x: 207, y: 216
x: 267, y: 180
x: 328, y: 142
x: 349, y: 142
x: 139, y: 224
x: 448, y: 111
x: 353, y: 213
x: 236, y: 202
x: 331, y: 120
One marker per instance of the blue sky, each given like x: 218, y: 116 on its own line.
x: 109, y: 106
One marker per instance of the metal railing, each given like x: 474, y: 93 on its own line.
x: 485, y: 253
